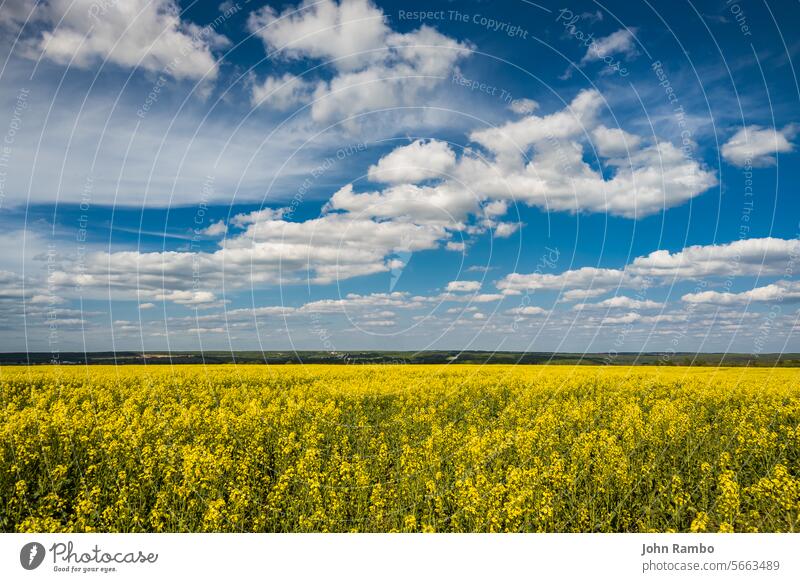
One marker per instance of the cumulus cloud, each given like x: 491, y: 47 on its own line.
x: 627, y: 318
x: 355, y: 301
x: 505, y: 229
x: 282, y: 93
x: 345, y: 32
x: 136, y: 33
x: 34, y: 304
x: 374, y: 66
x: 523, y: 106
x: 614, y: 142
x: 218, y: 228
x: 335, y: 246
x: 443, y: 206
x: 514, y: 137
x: 747, y: 257
x: 638, y: 318
x: 528, y: 310
x: 620, y: 302
x: 265, y: 250
x: 199, y: 299
x: 571, y: 295
x: 463, y: 286
x: 758, y: 146
x: 418, y: 161
x: 538, y: 160
x: 788, y: 291
x: 599, y: 280
x: 619, y: 42
x: 378, y: 323
x: 556, y: 177
x: 362, y: 233
x: 755, y: 256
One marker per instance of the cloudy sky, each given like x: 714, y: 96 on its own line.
x: 358, y: 174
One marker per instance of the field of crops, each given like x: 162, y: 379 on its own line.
x: 399, y: 448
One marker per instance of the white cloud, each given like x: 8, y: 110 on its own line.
x: 469, y: 309
x: 650, y: 179
x: 585, y: 278
x: 354, y: 301
x: 619, y: 42
x: 268, y: 251
x: 36, y: 305
x: 523, y: 106
x: 44, y: 299
x: 375, y: 67
x: 528, y: 310
x: 463, y: 286
x: 581, y: 294
x: 479, y: 269
x: 514, y: 137
x: 346, y: 32
x: 417, y: 63
x: 265, y: 214
x: 638, y: 318
x: 614, y: 142
x: 335, y: 246
x: 758, y: 146
x: 135, y: 33
x: 755, y: 256
x: 443, y: 206
x: 378, y: 314
x: 505, y: 229
x: 788, y: 291
x: 747, y: 257
x: 620, y: 302
x: 495, y: 208
x: 621, y: 319
x: 218, y: 228
x: 378, y: 323
x: 282, y: 93
x: 190, y: 298
x: 467, y: 298
x: 485, y: 297
x: 418, y: 161
x: 557, y: 178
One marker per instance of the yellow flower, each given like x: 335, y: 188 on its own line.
x: 399, y: 448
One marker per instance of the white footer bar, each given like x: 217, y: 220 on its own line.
x: 415, y: 557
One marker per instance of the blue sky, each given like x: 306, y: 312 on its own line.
x: 341, y: 175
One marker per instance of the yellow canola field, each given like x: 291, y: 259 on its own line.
x: 399, y: 448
